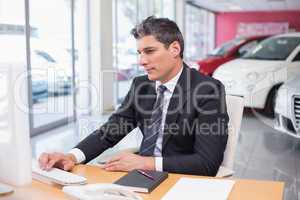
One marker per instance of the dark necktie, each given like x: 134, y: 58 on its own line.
x: 155, y: 127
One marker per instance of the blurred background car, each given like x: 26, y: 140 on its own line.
x: 226, y: 52
x: 56, y: 74
x: 287, y: 108
x: 259, y: 73
x: 14, y: 46
x: 51, y: 75
x: 39, y: 89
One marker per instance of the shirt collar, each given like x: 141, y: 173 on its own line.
x: 171, y: 84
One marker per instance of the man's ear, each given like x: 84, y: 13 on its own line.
x: 175, y: 49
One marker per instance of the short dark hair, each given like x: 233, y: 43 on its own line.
x: 164, y: 30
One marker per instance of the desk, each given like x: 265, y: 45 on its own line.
x: 243, y: 189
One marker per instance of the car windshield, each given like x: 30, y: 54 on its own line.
x: 223, y: 49
x: 45, y: 55
x: 278, y: 48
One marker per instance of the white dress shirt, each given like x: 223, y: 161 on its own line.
x: 170, y: 85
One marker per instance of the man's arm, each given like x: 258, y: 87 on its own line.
x: 118, y: 125
x: 209, y: 146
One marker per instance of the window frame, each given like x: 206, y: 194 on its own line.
x: 63, y: 121
x: 149, y: 8
x: 213, y: 37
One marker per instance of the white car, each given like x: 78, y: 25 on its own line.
x: 57, y: 74
x: 287, y: 108
x: 259, y: 73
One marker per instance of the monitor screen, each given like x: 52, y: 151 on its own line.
x: 15, y: 151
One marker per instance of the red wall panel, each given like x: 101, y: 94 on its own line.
x: 226, y: 23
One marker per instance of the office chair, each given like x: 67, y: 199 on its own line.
x: 235, y: 107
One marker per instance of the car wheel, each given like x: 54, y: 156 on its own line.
x: 270, y: 104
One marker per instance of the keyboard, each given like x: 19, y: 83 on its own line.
x: 57, y: 176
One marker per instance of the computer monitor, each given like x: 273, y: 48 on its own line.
x: 15, y: 151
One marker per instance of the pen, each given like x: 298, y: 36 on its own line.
x: 145, y: 174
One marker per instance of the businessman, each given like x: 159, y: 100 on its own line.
x: 181, y: 113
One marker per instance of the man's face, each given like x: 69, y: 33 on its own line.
x: 158, y: 61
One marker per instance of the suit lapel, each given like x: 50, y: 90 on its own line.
x: 177, y: 102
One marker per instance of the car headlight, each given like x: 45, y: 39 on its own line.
x: 255, y: 76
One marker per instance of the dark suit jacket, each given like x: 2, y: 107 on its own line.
x: 195, y: 131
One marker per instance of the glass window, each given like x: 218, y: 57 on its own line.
x: 247, y: 47
x: 199, y: 34
x: 51, y: 61
x: 125, y: 55
x: 127, y: 14
x: 157, y: 8
x: 278, y: 48
x: 168, y: 8
x: 145, y: 8
x: 163, y: 8
x: 223, y: 49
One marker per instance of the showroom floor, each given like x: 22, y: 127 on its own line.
x: 266, y: 154
x: 262, y: 153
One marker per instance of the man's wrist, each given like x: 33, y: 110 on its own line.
x: 149, y: 163
x: 72, y: 157
x: 78, y: 154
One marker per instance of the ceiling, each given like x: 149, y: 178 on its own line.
x: 248, y: 5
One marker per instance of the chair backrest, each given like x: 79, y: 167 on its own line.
x: 235, y: 107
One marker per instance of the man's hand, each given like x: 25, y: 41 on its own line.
x: 63, y: 161
x: 126, y: 161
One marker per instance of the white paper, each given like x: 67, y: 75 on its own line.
x: 204, y: 189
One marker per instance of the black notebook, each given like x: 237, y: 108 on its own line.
x: 139, y: 182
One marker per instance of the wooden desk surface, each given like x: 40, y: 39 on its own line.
x: 243, y: 189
